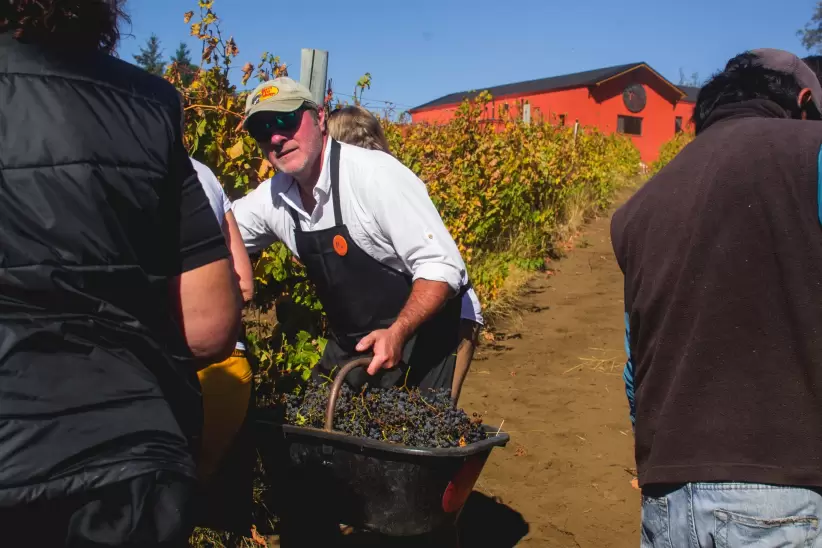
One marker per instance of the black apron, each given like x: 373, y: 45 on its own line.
x: 360, y: 294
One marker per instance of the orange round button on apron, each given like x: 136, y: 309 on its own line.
x: 340, y: 245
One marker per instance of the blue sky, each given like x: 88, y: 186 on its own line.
x: 419, y: 50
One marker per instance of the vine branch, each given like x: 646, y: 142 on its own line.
x: 212, y: 107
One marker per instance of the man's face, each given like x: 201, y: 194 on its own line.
x: 291, y: 141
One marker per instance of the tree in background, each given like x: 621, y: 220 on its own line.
x: 811, y: 35
x: 151, y: 57
x: 182, y: 60
x: 693, y: 81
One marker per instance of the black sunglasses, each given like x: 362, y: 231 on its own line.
x: 265, y: 124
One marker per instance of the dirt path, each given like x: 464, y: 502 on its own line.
x: 555, y: 377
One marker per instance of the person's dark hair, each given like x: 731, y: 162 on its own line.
x: 80, y: 25
x: 815, y: 62
x: 743, y: 80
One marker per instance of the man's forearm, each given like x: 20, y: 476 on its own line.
x: 426, y: 299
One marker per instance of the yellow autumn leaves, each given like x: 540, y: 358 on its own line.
x: 503, y: 187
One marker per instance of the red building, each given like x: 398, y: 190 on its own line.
x: 631, y: 99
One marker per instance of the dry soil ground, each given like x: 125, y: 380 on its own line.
x: 554, y: 376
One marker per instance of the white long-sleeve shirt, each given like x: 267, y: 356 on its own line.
x: 384, y: 205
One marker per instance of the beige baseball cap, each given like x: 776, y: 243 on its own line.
x: 277, y: 95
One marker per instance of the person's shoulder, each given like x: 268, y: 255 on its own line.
x: 133, y: 80
x: 812, y: 128
x: 205, y: 174
x: 213, y: 190
x: 754, y: 128
x: 780, y: 136
x: 90, y: 68
x: 201, y: 168
x: 365, y: 158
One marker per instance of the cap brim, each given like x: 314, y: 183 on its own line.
x: 288, y: 105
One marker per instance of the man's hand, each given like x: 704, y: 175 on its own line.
x: 426, y: 298
x: 387, y: 347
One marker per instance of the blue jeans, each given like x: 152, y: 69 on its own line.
x: 727, y: 515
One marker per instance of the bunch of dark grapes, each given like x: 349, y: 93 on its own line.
x: 406, y: 416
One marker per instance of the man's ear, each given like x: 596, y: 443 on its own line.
x: 805, y: 101
x: 804, y: 97
x: 321, y: 119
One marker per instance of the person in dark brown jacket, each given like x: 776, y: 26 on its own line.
x: 722, y: 257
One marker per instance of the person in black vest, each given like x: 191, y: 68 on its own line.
x: 722, y: 257
x: 357, y: 126
x: 387, y: 271
x: 115, y: 287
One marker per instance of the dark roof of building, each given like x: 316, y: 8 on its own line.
x: 566, y: 81
x: 690, y: 93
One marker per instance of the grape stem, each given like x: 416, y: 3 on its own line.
x: 405, y: 382
x: 362, y: 397
x: 327, y: 378
x: 422, y: 399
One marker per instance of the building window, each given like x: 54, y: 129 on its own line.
x: 629, y: 125
x: 678, y: 124
x: 562, y: 118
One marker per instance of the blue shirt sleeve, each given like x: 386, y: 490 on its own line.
x: 819, y: 185
x: 628, y: 372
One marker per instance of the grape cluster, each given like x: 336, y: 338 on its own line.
x: 399, y: 415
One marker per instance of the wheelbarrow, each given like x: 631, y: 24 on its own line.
x: 382, y: 487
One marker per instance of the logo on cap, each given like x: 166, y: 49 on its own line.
x: 267, y: 93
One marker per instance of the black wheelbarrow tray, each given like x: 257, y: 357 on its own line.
x: 379, y: 486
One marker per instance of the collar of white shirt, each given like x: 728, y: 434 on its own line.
x: 322, y: 190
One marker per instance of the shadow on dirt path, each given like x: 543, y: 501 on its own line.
x: 486, y: 521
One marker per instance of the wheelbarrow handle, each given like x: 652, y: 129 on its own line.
x: 335, y: 389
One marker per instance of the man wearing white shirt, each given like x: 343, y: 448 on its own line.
x: 387, y: 271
